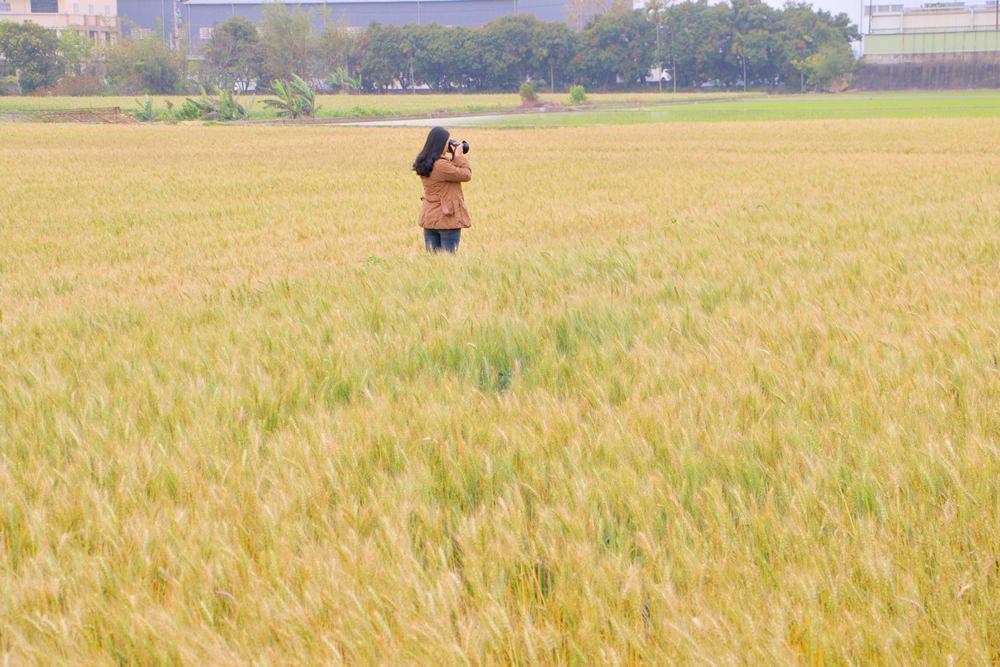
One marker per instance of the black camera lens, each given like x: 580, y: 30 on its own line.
x: 452, y: 143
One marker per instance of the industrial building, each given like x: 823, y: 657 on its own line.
x: 194, y: 20
x: 938, y: 45
x: 95, y: 19
x: 931, y: 28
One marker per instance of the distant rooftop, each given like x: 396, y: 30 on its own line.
x: 318, y: 2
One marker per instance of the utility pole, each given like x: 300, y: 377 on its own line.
x: 659, y: 59
x: 673, y: 61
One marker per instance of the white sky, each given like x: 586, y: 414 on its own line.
x: 850, y: 7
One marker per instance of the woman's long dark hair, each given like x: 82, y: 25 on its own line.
x: 437, y: 139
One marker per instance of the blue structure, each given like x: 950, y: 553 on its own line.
x: 194, y: 19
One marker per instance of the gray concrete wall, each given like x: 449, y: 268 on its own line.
x: 928, y: 71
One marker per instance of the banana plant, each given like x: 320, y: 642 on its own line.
x: 295, y: 98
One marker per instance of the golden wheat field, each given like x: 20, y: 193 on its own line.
x: 719, y: 393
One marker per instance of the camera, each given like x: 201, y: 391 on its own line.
x: 452, y: 144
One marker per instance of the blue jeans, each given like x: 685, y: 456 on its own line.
x: 436, y: 240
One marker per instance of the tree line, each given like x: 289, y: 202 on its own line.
x: 738, y: 43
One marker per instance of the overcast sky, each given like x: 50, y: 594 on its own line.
x: 850, y: 7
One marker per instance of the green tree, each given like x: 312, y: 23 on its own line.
x: 508, y: 48
x: 834, y: 60
x: 555, y: 48
x: 433, y: 54
x: 33, y: 53
x: 77, y: 51
x: 384, y: 62
x: 616, y: 50
x: 234, y: 56
x: 756, y: 51
x: 288, y: 43
x: 336, y: 54
x: 805, y: 31
x: 144, y: 66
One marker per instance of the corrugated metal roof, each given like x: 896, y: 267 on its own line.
x: 326, y: 2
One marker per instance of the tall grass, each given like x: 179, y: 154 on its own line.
x: 689, y: 393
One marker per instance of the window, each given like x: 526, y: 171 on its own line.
x: 76, y: 7
x: 44, y: 6
x: 4, y: 6
x: 204, y: 33
x: 107, y: 10
x: 90, y: 9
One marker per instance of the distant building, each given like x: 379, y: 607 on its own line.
x: 932, y: 28
x: 938, y: 45
x: 194, y: 20
x: 95, y: 19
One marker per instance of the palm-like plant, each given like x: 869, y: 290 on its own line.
x: 296, y: 98
x: 342, y: 81
x: 144, y: 112
x: 226, y: 106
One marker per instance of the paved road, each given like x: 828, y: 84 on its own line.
x: 430, y: 122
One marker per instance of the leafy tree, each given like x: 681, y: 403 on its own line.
x: 555, y: 48
x: 834, y: 60
x: 144, y: 65
x: 287, y: 39
x: 33, y: 53
x: 701, y: 42
x: 755, y: 46
x: 432, y: 53
x: 508, y: 51
x: 384, y: 62
x: 77, y: 51
x: 806, y: 31
x: 617, y: 50
x: 234, y: 56
x: 577, y: 94
x: 336, y: 55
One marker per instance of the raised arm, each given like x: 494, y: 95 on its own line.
x: 456, y: 170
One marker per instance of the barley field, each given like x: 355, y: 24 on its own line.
x: 691, y: 393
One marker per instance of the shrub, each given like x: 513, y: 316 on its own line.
x: 143, y: 111
x: 341, y: 81
x: 188, y: 111
x: 9, y: 86
x: 528, y: 93
x: 577, y: 94
x: 143, y: 65
x: 296, y: 98
x: 226, y: 106
x: 79, y: 85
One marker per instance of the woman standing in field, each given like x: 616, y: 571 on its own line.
x: 443, y: 214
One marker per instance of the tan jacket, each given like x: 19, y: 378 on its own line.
x: 443, y: 204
